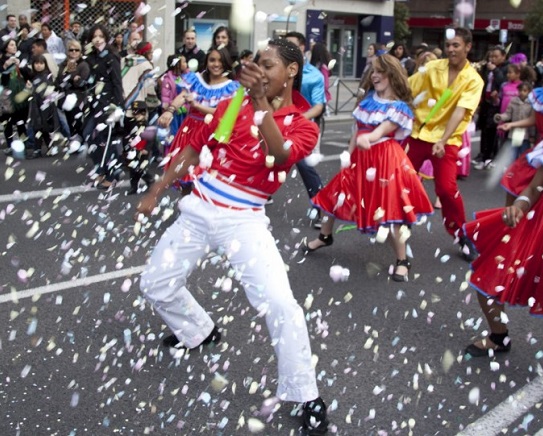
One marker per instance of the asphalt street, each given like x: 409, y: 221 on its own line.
x: 80, y: 349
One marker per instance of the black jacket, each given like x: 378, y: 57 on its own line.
x: 195, y: 53
x: 105, y: 68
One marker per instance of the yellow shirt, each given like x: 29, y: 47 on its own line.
x: 466, y: 93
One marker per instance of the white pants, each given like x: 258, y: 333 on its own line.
x: 251, y: 250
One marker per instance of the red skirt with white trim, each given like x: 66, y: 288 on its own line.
x: 510, y: 262
x: 380, y: 187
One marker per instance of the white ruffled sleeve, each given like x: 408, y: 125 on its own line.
x: 401, y: 114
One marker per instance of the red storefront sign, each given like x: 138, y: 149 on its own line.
x: 480, y: 24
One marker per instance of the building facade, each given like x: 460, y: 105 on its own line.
x: 347, y: 27
x: 493, y: 22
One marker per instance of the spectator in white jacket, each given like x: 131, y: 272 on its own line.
x: 55, y: 46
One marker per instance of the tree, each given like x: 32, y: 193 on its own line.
x: 401, y: 25
x: 533, y: 25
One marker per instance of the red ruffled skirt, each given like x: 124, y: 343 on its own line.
x: 181, y: 140
x: 394, y: 196
x: 510, y: 262
x: 519, y: 175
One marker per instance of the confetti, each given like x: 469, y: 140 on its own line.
x: 419, y: 98
x: 261, y: 17
x: 474, y: 395
x: 314, y: 159
x: 339, y: 274
x: 345, y: 159
x: 259, y: 117
x: 270, y: 161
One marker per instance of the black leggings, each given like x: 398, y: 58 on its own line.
x: 15, y: 120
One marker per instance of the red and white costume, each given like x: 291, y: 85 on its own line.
x: 204, y: 94
x: 520, y: 173
x: 509, y: 268
x: 226, y: 211
x: 394, y: 195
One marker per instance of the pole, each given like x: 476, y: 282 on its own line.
x: 288, y: 18
x: 66, y: 14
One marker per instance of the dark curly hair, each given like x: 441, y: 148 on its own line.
x: 226, y: 61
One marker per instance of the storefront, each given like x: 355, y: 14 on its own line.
x: 348, y: 36
x: 486, y: 32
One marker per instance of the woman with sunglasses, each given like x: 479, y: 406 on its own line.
x: 72, y: 79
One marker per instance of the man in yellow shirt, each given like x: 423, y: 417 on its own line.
x: 449, y: 91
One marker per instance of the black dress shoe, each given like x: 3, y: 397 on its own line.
x: 314, y: 417
x: 35, y: 154
x: 172, y: 341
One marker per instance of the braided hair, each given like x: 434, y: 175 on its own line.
x: 289, y: 53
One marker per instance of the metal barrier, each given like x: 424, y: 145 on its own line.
x: 59, y: 13
x: 351, y: 96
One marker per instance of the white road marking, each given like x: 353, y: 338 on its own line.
x: 15, y: 296
x: 330, y: 157
x: 344, y: 144
x: 508, y: 411
x: 46, y: 193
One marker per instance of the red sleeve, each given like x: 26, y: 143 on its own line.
x: 302, y: 135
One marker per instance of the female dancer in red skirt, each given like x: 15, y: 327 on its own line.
x: 509, y: 266
x: 380, y: 188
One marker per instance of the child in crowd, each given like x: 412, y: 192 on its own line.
x: 43, y: 113
x: 137, y: 146
x: 510, y: 89
x: 171, y: 86
x: 518, y: 108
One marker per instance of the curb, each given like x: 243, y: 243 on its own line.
x: 339, y: 118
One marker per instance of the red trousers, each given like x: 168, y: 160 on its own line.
x: 445, y: 170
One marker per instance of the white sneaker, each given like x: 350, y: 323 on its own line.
x: 487, y: 164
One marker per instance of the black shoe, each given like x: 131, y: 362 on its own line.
x: 327, y: 239
x: 500, y: 347
x: 172, y: 341
x: 399, y: 277
x: 35, y: 154
x: 469, y: 253
x: 315, y: 421
x: 132, y: 191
